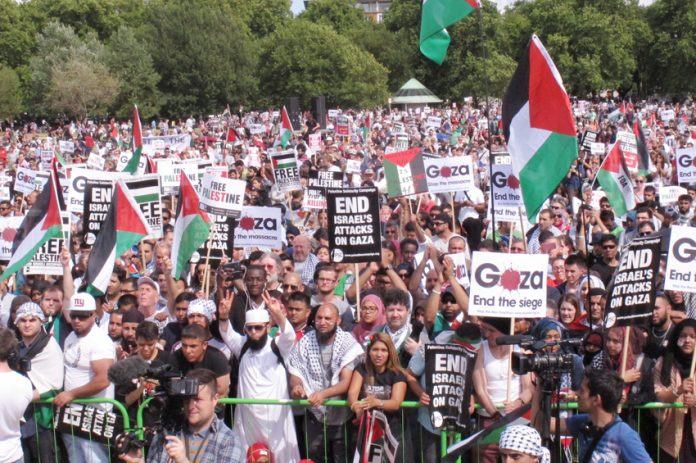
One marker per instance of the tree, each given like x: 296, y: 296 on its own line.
x: 80, y: 88
x: 10, y: 93
x: 340, y: 15
x: 262, y: 17
x: 128, y: 59
x: 16, y: 35
x: 305, y: 59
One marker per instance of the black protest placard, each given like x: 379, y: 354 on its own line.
x: 588, y: 138
x: 96, y: 205
x: 221, y: 242
x: 87, y: 421
x: 631, y: 294
x: 318, y: 183
x: 354, y: 224
x: 448, y: 371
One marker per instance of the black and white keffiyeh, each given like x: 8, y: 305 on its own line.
x: 525, y: 440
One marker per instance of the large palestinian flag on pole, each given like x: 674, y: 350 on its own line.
x: 41, y: 223
x: 285, y: 128
x: 539, y: 127
x: 124, y: 227
x: 137, y: 144
x: 191, y: 229
x: 436, y: 16
x: 615, y: 179
x: 405, y: 173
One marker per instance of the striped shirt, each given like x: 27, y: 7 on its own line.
x: 218, y: 444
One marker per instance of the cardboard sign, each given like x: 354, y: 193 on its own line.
x: 444, y: 175
x: 508, y: 285
x: 222, y: 196
x: 318, y: 182
x: 146, y: 192
x: 670, y: 194
x: 286, y: 171
x: 8, y: 231
x: 448, y: 382
x: 221, y: 241
x: 686, y: 165
x: 97, y: 201
x: 506, y: 187
x: 260, y: 227
x: 680, y: 274
x: 588, y: 138
x: 433, y: 121
x: 76, y: 185
x: 354, y: 234
x: 343, y: 126
x: 631, y: 293
x: 88, y: 422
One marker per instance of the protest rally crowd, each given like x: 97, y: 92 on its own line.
x: 264, y: 296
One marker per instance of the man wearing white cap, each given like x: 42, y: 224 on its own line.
x: 262, y: 375
x: 88, y: 354
x: 201, y: 312
x: 522, y: 444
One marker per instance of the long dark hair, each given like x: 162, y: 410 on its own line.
x: 675, y: 357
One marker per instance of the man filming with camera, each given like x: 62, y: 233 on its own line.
x: 205, y: 438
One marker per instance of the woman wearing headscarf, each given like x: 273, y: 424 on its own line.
x: 673, y: 383
x: 371, y: 317
x: 551, y: 330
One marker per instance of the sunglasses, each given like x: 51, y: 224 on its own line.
x: 437, y: 224
x: 81, y: 316
x: 252, y: 328
x: 609, y: 247
x: 646, y: 233
x: 292, y: 287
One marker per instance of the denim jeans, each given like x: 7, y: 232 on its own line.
x: 81, y: 450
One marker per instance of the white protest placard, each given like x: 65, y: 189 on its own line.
x: 433, y: 121
x: 508, y: 285
x: 46, y: 261
x: 334, y: 112
x: 315, y: 141
x: 76, y: 185
x: 502, y: 157
x: 66, y: 146
x: 41, y: 180
x: 597, y: 148
x: 175, y: 143
x: 343, y: 126
x: 286, y: 171
x: 46, y: 158
x: 8, y: 231
x: 506, y: 187
x: 680, y: 274
x: 401, y: 142
x: 124, y: 158
x: 258, y: 227
x: 686, y: 165
x: 253, y: 157
x: 459, y: 259
x: 222, y: 196
x: 255, y: 129
x: 667, y: 115
x: 218, y: 171
x: 170, y: 174
x: 25, y: 180
x: 629, y: 146
x: 95, y: 161
x: 353, y: 166
x: 670, y: 194
x: 445, y: 175
x: 146, y: 192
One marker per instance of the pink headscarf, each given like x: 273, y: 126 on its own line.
x: 363, y: 329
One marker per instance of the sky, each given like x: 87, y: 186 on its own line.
x: 297, y: 6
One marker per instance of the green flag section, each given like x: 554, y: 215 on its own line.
x: 615, y: 180
x: 436, y: 16
x: 539, y: 127
x: 285, y: 128
x: 41, y: 223
x: 124, y: 227
x: 191, y: 229
x: 137, y: 148
x: 405, y: 173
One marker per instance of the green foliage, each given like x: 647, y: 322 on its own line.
x: 80, y: 88
x: 10, y: 93
x: 262, y: 17
x: 305, y: 59
x: 340, y: 15
x: 16, y: 34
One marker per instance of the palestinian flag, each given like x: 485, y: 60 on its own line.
x: 231, y: 136
x: 41, y: 223
x: 285, y: 128
x: 56, y: 180
x: 643, y: 155
x: 619, y: 113
x: 405, y: 173
x: 615, y: 179
x: 137, y: 142
x: 123, y: 228
x: 539, y: 127
x: 436, y: 15
x: 191, y: 229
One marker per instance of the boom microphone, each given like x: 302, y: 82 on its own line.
x: 124, y: 371
x: 514, y: 340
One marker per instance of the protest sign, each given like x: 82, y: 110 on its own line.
x: 315, y: 141
x: 686, y: 165
x: 667, y: 115
x: 259, y: 226
x: 222, y: 196
x: 433, y: 121
x: 46, y: 260
x: 444, y: 175
x: 448, y: 373
x: 508, y: 285
x: 670, y: 194
x: 95, y: 161
x: 76, y: 185
x: 170, y: 174
x: 405, y: 173
x: 286, y: 171
x: 588, y: 138
x: 629, y: 146
x: 221, y: 241
x: 352, y: 166
x: 399, y: 127
x: 680, y: 274
x: 87, y: 421
x: 401, y: 142
x: 97, y: 201
x: 25, y: 180
x: 318, y: 182
x: 354, y: 234
x: 146, y: 192
x: 256, y: 129
x: 597, y: 148
x: 631, y: 293
x: 334, y: 113
x: 375, y: 441
x: 506, y: 187
x: 175, y: 143
x: 46, y: 157
x: 66, y: 146
x: 343, y: 126
x: 124, y: 158
x: 8, y: 230
x: 459, y: 259
x: 502, y: 157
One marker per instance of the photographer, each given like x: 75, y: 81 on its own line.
x: 15, y: 395
x: 205, y: 437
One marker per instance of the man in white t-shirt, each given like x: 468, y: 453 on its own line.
x: 88, y: 354
x: 15, y: 396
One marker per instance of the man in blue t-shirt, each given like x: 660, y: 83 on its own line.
x: 598, y: 399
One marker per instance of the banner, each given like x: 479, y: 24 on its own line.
x: 8, y: 230
x: 221, y: 242
x: 506, y: 187
x: 631, y: 293
x: 318, y: 182
x: 286, y: 171
x: 508, y: 285
x: 222, y: 196
x: 354, y: 234
x: 77, y: 182
x: 405, y: 173
x: 680, y: 274
x: 259, y: 226
x: 98, y: 195
x: 448, y: 372
x: 444, y: 175
x: 87, y: 421
x: 175, y: 143
x: 146, y: 192
x: 686, y: 165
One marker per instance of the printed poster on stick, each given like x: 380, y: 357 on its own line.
x: 286, y: 171
x: 686, y: 165
x: 508, y: 285
x: 448, y: 372
x: 146, y: 192
x: 258, y: 226
x: 222, y: 196
x: 46, y: 260
x: 221, y: 241
x: 506, y: 187
x: 354, y: 234
x: 680, y: 274
x: 97, y: 202
x: 446, y: 175
x: 631, y: 293
x: 318, y: 182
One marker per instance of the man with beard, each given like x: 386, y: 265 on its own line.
x: 661, y: 327
x: 262, y: 375
x: 273, y: 266
x: 321, y: 366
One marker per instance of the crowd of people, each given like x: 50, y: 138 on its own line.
x: 289, y: 323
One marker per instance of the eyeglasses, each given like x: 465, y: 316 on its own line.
x: 81, y: 316
x: 645, y: 233
x: 437, y: 224
x: 403, y: 275
x: 609, y: 246
x: 255, y: 327
x: 291, y: 287
x: 448, y: 301
x: 640, y: 181
x: 368, y: 309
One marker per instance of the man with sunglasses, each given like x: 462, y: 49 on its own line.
x: 610, y: 262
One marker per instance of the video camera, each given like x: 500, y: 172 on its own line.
x: 542, y: 361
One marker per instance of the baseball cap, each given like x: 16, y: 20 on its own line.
x: 257, y: 450
x: 82, y: 302
x: 30, y: 309
x: 149, y: 281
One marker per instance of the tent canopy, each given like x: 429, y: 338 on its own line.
x: 414, y: 93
